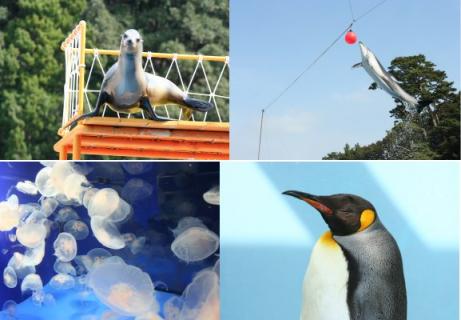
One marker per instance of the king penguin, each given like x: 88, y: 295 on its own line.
x: 355, y: 270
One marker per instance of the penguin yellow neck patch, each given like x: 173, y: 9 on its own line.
x: 366, y: 218
x: 327, y: 239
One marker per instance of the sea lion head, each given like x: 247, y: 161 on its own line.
x: 131, y: 42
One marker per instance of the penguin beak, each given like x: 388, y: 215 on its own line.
x: 311, y: 199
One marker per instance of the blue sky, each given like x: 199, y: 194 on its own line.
x: 273, y: 41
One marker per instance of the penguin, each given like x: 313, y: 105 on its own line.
x: 355, y: 270
x: 127, y: 88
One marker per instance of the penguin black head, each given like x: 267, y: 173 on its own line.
x: 131, y: 41
x: 345, y: 214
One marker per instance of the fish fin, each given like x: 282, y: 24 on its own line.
x: 357, y: 65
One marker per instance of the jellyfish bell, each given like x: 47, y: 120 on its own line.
x: 48, y: 205
x: 107, y: 233
x: 31, y: 234
x: 64, y: 268
x: 136, y: 190
x: 65, y: 247
x: 137, y: 168
x: 195, y: 244
x: 74, y: 188
x: 124, y: 288
x: 31, y: 282
x: 103, y: 203
x: 9, y: 277
x: 88, y: 195
x: 59, y: 173
x: 65, y: 214
x: 9, y: 213
x: 77, y: 228
x: 62, y: 281
x: 212, y: 196
x: 9, y: 307
x: 137, y: 245
x: 27, y: 187
x: 185, y: 223
x: 44, y: 182
x: 34, y: 256
x: 172, y: 308
x: 18, y: 263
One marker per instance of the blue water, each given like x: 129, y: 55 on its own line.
x: 154, y: 218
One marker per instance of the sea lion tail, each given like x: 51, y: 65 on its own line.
x: 198, y: 105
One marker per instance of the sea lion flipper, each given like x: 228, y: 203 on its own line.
x: 102, y: 98
x: 147, y: 107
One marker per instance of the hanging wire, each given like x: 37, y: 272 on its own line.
x: 324, y: 52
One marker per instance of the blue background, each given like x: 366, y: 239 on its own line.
x: 267, y: 237
x: 174, y: 183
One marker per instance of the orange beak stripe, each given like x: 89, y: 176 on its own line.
x: 321, y: 207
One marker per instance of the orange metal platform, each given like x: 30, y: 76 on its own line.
x: 146, y: 139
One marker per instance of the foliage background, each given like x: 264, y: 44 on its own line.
x: 32, y: 64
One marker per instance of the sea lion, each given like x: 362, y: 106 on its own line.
x: 127, y: 88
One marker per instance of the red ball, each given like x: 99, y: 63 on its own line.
x: 351, y: 37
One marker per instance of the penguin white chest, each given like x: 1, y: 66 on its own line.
x: 325, y: 283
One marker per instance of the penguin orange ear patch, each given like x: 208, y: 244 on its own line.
x: 319, y: 206
x: 367, y: 217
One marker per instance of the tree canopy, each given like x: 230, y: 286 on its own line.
x: 32, y: 64
x: 433, y: 133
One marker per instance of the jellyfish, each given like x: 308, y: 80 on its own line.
x: 48, y: 205
x: 172, y: 308
x: 160, y: 285
x: 187, y: 222
x: 77, y: 228
x: 108, y: 172
x: 107, y: 233
x: 62, y: 281
x: 64, y: 268
x: 65, y: 214
x: 31, y: 235
x: 195, y: 244
x: 9, y: 307
x: 137, y: 245
x: 124, y: 288
x: 96, y: 257
x: 103, y: 203
x: 136, y: 189
x: 9, y: 215
x: 44, y: 183
x: 27, y: 187
x: 201, y: 297
x: 36, y: 217
x: 12, y: 237
x: 128, y: 237
x: 34, y: 256
x: 212, y: 196
x: 65, y: 247
x: 136, y: 168
x: 122, y: 212
x: 217, y: 267
x: 73, y: 188
x: 40, y: 298
x: 88, y: 195
x: 31, y: 282
x: 21, y: 268
x: 9, y: 277
x: 59, y: 173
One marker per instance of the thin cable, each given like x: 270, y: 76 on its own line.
x: 352, y: 11
x: 370, y: 10
x: 260, y: 133
x: 308, y: 67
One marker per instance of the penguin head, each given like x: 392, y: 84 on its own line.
x: 131, y: 41
x: 345, y: 214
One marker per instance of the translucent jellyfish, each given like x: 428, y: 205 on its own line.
x: 95, y: 257
x: 172, y: 308
x: 31, y: 282
x: 136, y: 189
x: 107, y: 233
x: 62, y: 281
x: 9, y: 214
x: 128, y: 237
x: 64, y: 268
x: 31, y: 235
x: 125, y: 289
x: 9, y: 307
x: 77, y: 228
x: 40, y: 298
x: 187, y: 222
x: 201, y: 298
x: 195, y: 244
x: 74, y: 186
x: 217, y: 267
x: 36, y: 217
x: 136, y: 168
x: 108, y: 172
x: 9, y: 277
x: 103, y: 203
x: 48, y: 205
x: 63, y: 200
x: 48, y: 163
x: 160, y: 285
x: 65, y: 214
x: 212, y: 196
x: 59, y: 173
x: 27, y: 187
x: 88, y: 195
x: 34, y: 256
x: 65, y: 247
x: 137, y: 245
x: 18, y: 263
x: 12, y: 237
x: 44, y: 183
